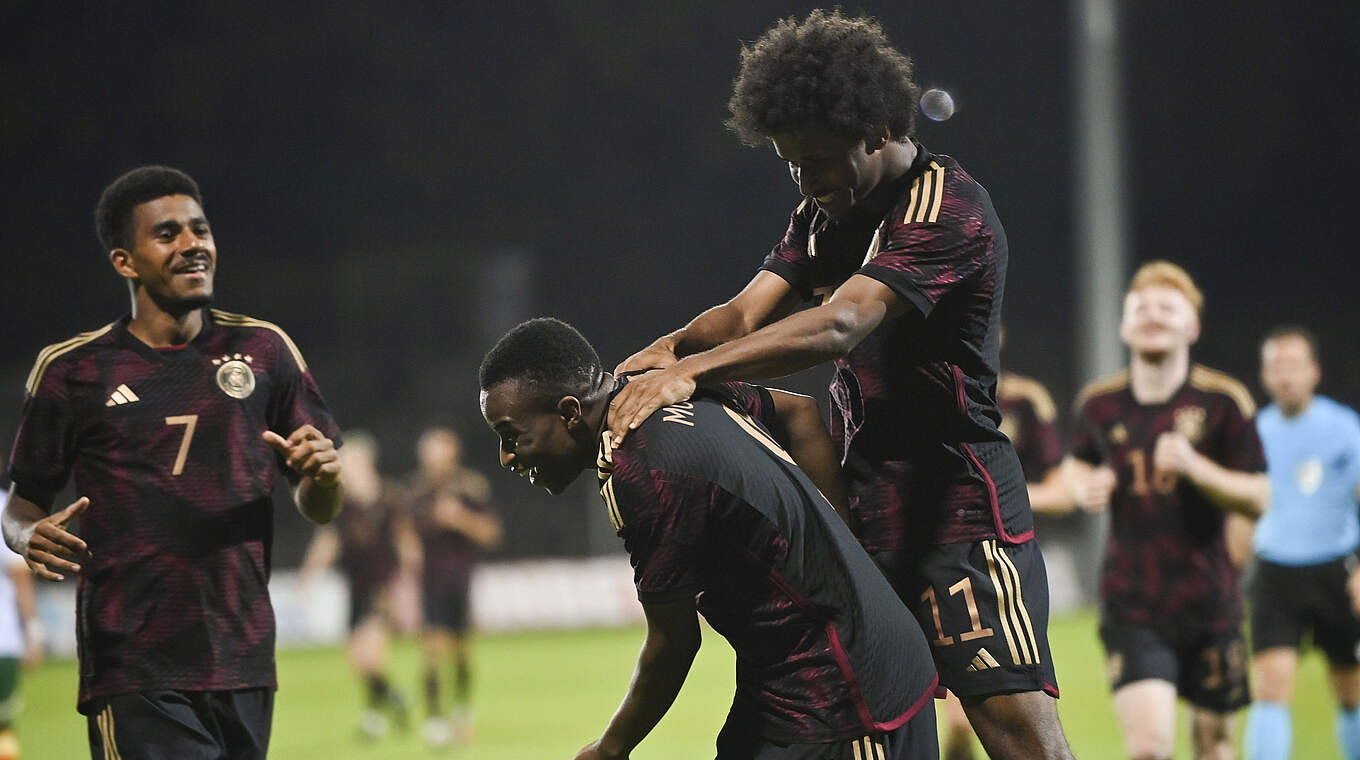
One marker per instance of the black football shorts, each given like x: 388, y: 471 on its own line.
x: 1208, y: 669
x: 1288, y: 601
x: 984, y: 608
x: 182, y: 725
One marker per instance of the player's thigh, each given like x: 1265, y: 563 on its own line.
x: 1277, y: 618
x: 984, y: 608
x: 1272, y: 674
x: 1336, y: 628
x: 155, y: 725
x: 917, y: 739
x: 1146, y: 710
x: 1214, y: 672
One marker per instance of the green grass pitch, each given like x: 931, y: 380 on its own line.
x: 543, y: 695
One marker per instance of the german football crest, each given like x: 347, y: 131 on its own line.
x: 234, y: 375
x: 1190, y: 422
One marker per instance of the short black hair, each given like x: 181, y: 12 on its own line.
x: 113, y: 213
x: 1295, y: 331
x: 550, y: 354
x: 828, y: 70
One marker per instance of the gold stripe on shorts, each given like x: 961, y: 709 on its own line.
x: 1028, y: 625
x: 105, y: 721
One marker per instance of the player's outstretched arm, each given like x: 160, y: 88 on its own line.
x: 42, y: 539
x: 309, y: 453
x: 801, y: 430
x: 765, y: 298
x: 794, y: 343
x: 672, y: 641
x: 1243, y: 493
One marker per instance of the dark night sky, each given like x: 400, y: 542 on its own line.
x: 376, y: 173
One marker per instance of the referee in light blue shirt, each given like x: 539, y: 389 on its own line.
x: 1306, y: 545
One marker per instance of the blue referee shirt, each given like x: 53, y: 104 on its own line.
x: 1314, y: 465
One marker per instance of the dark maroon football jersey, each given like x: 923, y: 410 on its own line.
x: 711, y: 508
x: 449, y: 555
x: 368, y: 554
x: 1167, y: 565
x: 915, y: 402
x: 1030, y: 420
x: 166, y: 444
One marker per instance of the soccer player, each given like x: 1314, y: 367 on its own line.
x: 1170, y: 447
x: 452, y: 523
x: 718, y: 519
x: 906, y: 257
x: 176, y: 421
x: 1307, y: 577
x: 363, y: 538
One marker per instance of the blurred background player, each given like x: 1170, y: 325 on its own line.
x: 173, y: 420
x: 1170, y: 447
x: 21, y: 646
x: 717, y: 518
x: 905, y: 258
x: 1307, y: 577
x: 363, y: 539
x: 1029, y: 419
x: 454, y: 523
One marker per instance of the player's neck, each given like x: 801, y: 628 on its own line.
x: 161, y: 329
x: 897, y: 160
x: 1155, y: 378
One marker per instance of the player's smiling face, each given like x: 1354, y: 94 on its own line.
x: 172, y: 256
x: 540, y: 440
x: 833, y: 171
x: 1158, y: 320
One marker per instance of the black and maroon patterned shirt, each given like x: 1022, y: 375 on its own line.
x: 1167, y: 565
x: 368, y: 554
x: 1030, y: 419
x: 711, y: 508
x: 915, y: 402
x: 166, y: 444
x: 449, y: 555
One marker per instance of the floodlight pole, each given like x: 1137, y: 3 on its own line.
x: 1101, y: 233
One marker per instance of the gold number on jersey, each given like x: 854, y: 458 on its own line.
x: 978, y: 632
x: 189, y: 421
x: 1163, y: 482
x: 964, y: 587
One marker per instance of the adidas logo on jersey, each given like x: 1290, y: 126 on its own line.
x: 123, y: 395
x: 983, y: 661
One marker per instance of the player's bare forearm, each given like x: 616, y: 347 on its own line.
x: 1053, y: 494
x: 319, y: 502
x: 1243, y: 493
x: 802, y: 431
x: 664, y: 662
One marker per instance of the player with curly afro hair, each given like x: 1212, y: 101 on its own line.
x: 828, y: 70
x: 904, y: 258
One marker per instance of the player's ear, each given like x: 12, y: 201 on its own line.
x: 1194, y: 330
x: 121, y: 259
x: 569, y: 409
x: 876, y: 139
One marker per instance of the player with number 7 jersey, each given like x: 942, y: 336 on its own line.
x: 166, y: 445
x: 176, y: 422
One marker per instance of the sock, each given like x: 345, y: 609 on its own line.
x: 462, y: 682
x: 1268, y: 731
x: 432, y: 692
x: 1348, y: 731
x: 378, y: 689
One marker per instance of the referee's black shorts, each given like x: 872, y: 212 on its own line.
x: 1289, y: 601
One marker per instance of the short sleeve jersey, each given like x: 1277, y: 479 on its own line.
x: 710, y: 508
x: 449, y: 555
x: 1314, y: 460
x: 1167, y: 565
x: 1030, y: 420
x: 166, y: 444
x: 368, y: 555
x: 914, y: 404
